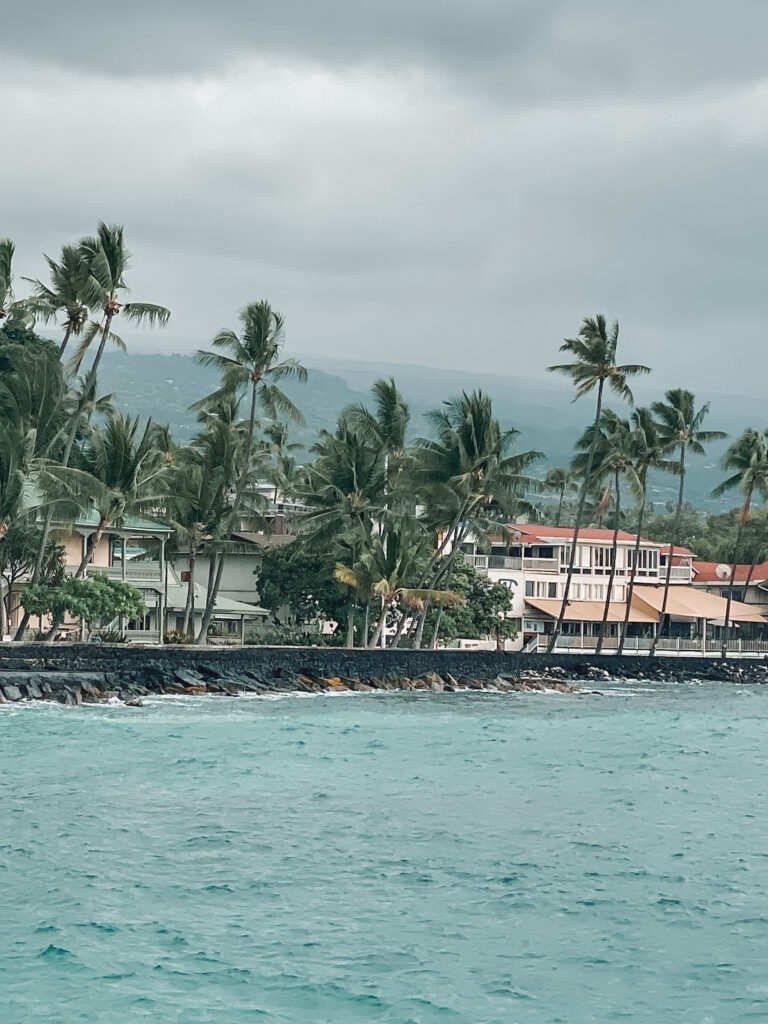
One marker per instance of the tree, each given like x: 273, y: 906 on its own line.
x: 249, y: 362
x: 65, y: 295
x: 95, y: 599
x: 17, y: 557
x: 594, y: 365
x: 106, y: 260
x: 612, y: 460
x: 469, y: 480
x: 748, y: 457
x: 559, y: 481
x: 118, y: 474
x: 648, y: 452
x: 680, y: 427
x: 485, y: 611
x: 389, y: 570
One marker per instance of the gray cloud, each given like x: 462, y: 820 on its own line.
x: 446, y: 183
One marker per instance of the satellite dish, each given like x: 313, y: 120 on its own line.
x: 723, y: 572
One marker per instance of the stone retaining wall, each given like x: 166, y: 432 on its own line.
x: 77, y: 672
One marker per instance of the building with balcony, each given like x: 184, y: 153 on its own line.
x: 532, y: 560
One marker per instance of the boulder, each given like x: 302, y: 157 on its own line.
x: 361, y: 687
x: 33, y: 691
x: 185, y: 678
x: 437, y: 686
x: 12, y: 693
x: 134, y: 703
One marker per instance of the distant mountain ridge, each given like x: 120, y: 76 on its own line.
x: 164, y: 386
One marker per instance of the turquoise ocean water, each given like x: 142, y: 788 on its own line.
x: 401, y: 858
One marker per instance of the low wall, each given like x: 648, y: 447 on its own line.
x: 137, y: 663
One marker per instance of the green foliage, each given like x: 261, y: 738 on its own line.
x: 112, y: 636
x: 175, y: 636
x: 95, y: 599
x: 484, y: 611
x: 296, y: 579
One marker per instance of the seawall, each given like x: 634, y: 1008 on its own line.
x: 91, y: 672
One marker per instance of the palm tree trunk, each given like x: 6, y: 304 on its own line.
x: 65, y: 340
x: 395, y: 642
x: 240, y: 491
x: 727, y: 623
x: 673, y: 542
x: 560, y: 505
x: 379, y: 626
x: 579, y: 513
x: 189, y: 604
x: 351, y: 619
x: 366, y: 622
x: 612, y: 574
x: 633, y: 574
x: 66, y: 456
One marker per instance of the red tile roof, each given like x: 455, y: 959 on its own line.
x: 532, y: 532
x: 678, y: 550
x: 706, y: 572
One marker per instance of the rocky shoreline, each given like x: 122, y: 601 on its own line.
x: 83, y: 676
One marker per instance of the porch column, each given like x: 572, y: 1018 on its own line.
x: 122, y: 576
x: 162, y: 602
x: 242, y: 630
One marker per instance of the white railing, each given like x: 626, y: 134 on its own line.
x: 135, y: 572
x: 512, y: 562
x: 679, y: 572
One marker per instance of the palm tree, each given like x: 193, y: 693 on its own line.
x: 648, y: 452
x: 344, y: 488
x: 612, y: 460
x: 386, y: 427
x: 19, y: 312
x: 69, y: 278
x: 748, y: 456
x: 106, y: 260
x: 250, y: 361
x: 558, y: 481
x: 118, y: 473
x: 385, y: 570
x: 468, y: 479
x: 594, y: 365
x: 680, y: 427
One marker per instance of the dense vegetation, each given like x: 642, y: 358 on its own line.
x: 385, y: 512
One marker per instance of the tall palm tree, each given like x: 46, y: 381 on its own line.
x: 612, y: 461
x: 20, y: 312
x: 388, y: 570
x: 106, y: 259
x: 680, y: 428
x: 249, y: 362
x: 594, y: 365
x: 386, y: 427
x: 65, y: 294
x: 748, y: 457
x: 648, y: 452
x: 559, y: 481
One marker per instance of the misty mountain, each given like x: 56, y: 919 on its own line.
x: 164, y: 386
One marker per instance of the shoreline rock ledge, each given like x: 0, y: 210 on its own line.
x: 85, y: 674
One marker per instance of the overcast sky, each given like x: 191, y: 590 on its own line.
x: 446, y: 182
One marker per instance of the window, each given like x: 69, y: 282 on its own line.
x: 530, y: 588
x: 551, y: 590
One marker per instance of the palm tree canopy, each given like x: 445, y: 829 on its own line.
x: 748, y: 457
x: 251, y: 358
x: 594, y: 352
x: 680, y: 423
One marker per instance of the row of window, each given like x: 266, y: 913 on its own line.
x: 578, y: 591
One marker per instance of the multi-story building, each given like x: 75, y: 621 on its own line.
x: 533, y: 560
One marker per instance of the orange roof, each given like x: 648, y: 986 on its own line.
x: 689, y: 603
x: 664, y: 549
x: 706, y: 572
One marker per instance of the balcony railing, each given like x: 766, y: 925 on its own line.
x: 135, y: 572
x: 512, y: 562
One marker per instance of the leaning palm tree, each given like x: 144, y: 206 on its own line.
x: 648, y: 452
x: 65, y: 295
x: 559, y: 481
x: 748, y: 457
x: 250, y: 362
x: 594, y: 365
x: 106, y: 260
x: 680, y: 428
x: 385, y: 427
x: 387, y: 571
x: 19, y: 312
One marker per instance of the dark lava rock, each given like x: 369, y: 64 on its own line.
x: 134, y: 703
x: 12, y: 693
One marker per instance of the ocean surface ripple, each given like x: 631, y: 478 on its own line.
x: 415, y: 859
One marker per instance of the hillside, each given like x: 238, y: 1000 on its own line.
x: 164, y: 386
